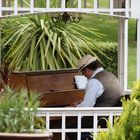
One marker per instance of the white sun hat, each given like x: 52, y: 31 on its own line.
x: 85, y: 61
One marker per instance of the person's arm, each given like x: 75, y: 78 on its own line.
x: 94, y: 89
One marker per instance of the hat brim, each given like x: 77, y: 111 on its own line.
x: 84, y: 66
x: 85, y: 61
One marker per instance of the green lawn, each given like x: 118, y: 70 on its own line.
x: 109, y: 27
x: 131, y: 66
x: 104, y: 24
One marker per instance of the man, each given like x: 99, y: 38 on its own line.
x: 103, y: 88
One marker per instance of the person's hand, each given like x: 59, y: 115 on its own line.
x: 75, y: 103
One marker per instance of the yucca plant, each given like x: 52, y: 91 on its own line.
x: 127, y: 127
x: 38, y: 43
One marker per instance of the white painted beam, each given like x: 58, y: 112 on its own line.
x: 114, y: 9
x: 127, y: 6
x: 15, y: 7
x: 111, y: 7
x: 135, y: 9
x: 123, y: 52
x: 0, y: 8
x: 95, y: 6
x: 138, y: 49
x: 47, y: 4
x: 63, y: 4
x: 31, y: 6
x: 79, y: 4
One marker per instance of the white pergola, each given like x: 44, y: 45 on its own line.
x: 121, y: 9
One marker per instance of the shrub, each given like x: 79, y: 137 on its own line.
x: 17, y: 111
x: 108, y: 56
x: 128, y: 125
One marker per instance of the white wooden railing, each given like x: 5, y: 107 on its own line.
x: 62, y: 113
x: 121, y: 8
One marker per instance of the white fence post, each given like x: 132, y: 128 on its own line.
x: 31, y: 6
x: 47, y: 4
x: 95, y: 6
x: 79, y: 113
x: 79, y: 127
x: 111, y: 7
x: 63, y: 126
x: 79, y: 4
x: 63, y: 4
x: 95, y: 126
x: 15, y: 7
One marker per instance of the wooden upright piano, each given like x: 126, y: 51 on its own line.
x: 57, y: 87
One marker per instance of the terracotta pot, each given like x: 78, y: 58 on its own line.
x: 26, y: 136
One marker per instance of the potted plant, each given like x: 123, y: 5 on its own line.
x: 17, y: 116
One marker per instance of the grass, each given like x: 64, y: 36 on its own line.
x: 132, y: 53
x: 109, y: 27
x: 104, y: 25
x: 131, y: 66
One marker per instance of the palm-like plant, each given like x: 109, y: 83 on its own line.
x: 37, y: 43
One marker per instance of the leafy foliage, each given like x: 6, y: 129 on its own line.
x: 17, y: 110
x: 110, y: 58
x: 128, y: 125
x: 37, y: 43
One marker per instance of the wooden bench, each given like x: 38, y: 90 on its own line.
x: 57, y: 87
